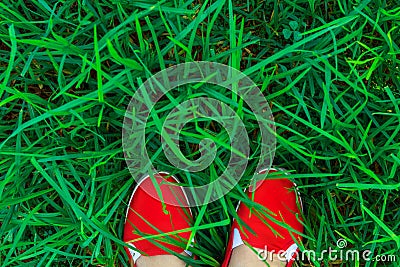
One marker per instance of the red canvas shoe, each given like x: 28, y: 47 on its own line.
x: 280, y: 199
x: 147, y: 216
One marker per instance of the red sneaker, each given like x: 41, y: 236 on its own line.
x: 146, y: 216
x: 281, y: 202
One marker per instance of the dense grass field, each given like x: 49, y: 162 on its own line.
x: 329, y: 69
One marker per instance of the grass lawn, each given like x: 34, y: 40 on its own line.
x: 68, y: 69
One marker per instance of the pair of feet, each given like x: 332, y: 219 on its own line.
x: 269, y: 231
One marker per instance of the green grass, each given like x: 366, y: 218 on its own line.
x: 330, y: 70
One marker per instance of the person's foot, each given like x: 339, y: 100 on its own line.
x: 146, y: 215
x: 263, y: 234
